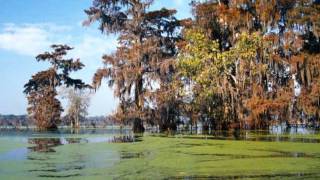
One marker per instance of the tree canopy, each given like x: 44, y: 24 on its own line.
x: 144, y: 59
x: 41, y: 90
x: 236, y: 64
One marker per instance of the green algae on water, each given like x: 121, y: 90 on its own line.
x: 156, y: 157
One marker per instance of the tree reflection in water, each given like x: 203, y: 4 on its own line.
x: 75, y: 140
x: 125, y: 139
x: 42, y: 155
x: 44, y: 144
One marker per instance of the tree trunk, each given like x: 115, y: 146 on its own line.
x: 205, y: 128
x: 52, y: 127
x: 168, y: 126
x: 77, y: 124
x: 138, y: 126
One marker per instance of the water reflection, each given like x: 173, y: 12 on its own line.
x: 42, y: 155
x: 47, y: 145
x: 299, y: 129
x: 125, y: 139
x: 249, y: 136
x: 44, y: 144
x: 16, y: 154
x: 75, y: 140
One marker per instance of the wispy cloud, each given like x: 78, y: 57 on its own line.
x: 91, y: 48
x: 178, y: 2
x: 29, y: 39
x: 32, y: 39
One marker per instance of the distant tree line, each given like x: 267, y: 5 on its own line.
x: 23, y: 121
x: 91, y: 121
x: 236, y: 64
x: 15, y: 121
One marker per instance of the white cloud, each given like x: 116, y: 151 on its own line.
x: 178, y: 2
x: 32, y: 39
x: 29, y: 39
x: 91, y: 48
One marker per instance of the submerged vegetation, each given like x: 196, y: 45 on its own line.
x: 234, y: 65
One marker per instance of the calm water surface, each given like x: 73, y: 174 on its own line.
x: 115, y: 154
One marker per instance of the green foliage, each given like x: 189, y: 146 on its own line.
x: 242, y: 73
x: 214, y: 74
x: 236, y: 64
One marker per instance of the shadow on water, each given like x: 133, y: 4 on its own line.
x: 264, y: 136
x: 275, y: 154
x: 263, y: 176
x: 59, y: 176
x: 131, y: 155
x: 278, y: 153
x: 54, y: 170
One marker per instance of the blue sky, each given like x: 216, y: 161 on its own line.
x: 29, y: 27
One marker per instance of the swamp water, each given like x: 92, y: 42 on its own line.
x: 109, y: 154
